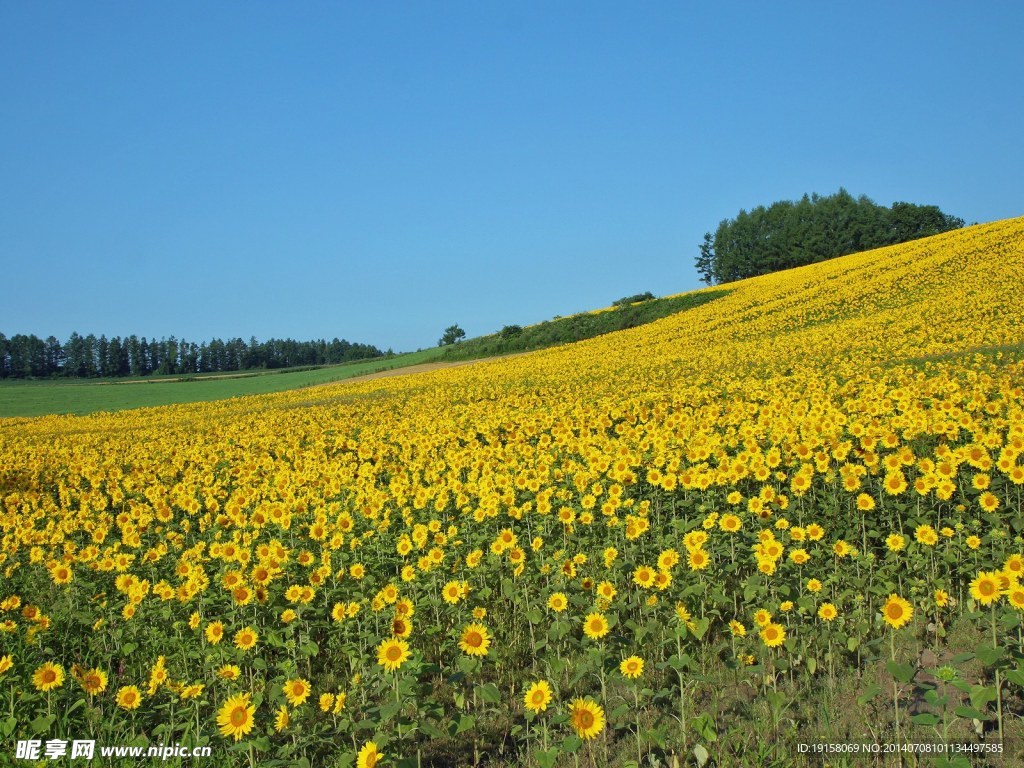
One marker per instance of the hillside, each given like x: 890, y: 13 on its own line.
x: 685, y: 539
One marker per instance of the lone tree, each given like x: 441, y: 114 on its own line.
x: 451, y: 335
x: 788, y: 234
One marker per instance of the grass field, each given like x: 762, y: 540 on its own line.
x: 37, y: 398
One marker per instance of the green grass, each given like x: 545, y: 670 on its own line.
x: 19, y: 398
x: 77, y: 396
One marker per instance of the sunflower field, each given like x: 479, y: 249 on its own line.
x: 791, y: 515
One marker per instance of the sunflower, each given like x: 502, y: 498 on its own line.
x: 941, y: 598
x: 762, y: 617
x: 698, y: 559
x: 1014, y: 566
x: 595, y: 626
x: 988, y: 501
x: 296, y: 691
x: 129, y: 697
x: 813, y: 585
x: 475, y: 640
x: 644, y: 577
x: 737, y: 629
x: 985, y: 588
x: 281, y: 719
x: 773, y: 635
x: 368, y: 756
x: 94, y: 681
x: 538, y: 696
x: 1014, y: 594
x: 730, y: 523
x: 48, y: 676
x: 865, y: 503
x: 558, y: 602
x: 827, y: 612
x: 632, y: 667
x: 452, y: 592
x: 6, y: 662
x: 214, y: 632
x: 246, y: 638
x: 586, y: 717
x: 895, y: 542
x: 973, y: 542
x: 392, y: 653
x: 401, y: 627
x: 326, y: 702
x: 229, y: 672
x: 897, y: 612
x: 235, y: 717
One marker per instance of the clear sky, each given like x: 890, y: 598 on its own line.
x: 378, y: 171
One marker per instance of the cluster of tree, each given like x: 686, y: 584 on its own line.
x: 788, y: 234
x: 24, y: 356
x: 636, y: 298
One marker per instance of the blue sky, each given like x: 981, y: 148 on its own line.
x: 378, y: 171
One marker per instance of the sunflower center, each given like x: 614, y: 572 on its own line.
x: 49, y: 676
x: 584, y: 719
x: 474, y: 640
x: 394, y: 653
x: 894, y: 611
x: 986, y: 588
x: 238, y: 716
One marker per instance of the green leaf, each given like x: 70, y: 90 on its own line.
x: 903, y: 673
x: 7, y: 727
x: 812, y: 665
x: 988, y: 655
x: 970, y: 712
x: 926, y: 718
x: 572, y: 743
x: 548, y: 758
x: 465, y: 723
x: 704, y: 726
x: 982, y: 695
x: 870, y: 692
x: 1016, y: 676
x: 702, y: 755
x: 489, y: 693
x: 852, y: 643
x: 42, y: 723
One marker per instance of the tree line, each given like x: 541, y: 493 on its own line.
x: 28, y: 356
x: 791, y: 234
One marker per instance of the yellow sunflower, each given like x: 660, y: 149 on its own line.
x: 897, y: 612
x: 595, y: 626
x: 296, y: 691
x: 48, y: 676
x: 392, y: 653
x: 558, y: 602
x: 632, y: 667
x: 235, y: 717
x: 586, y: 717
x: 985, y: 588
x: 475, y: 640
x: 538, y: 696
x: 129, y: 697
x: 773, y: 635
x: 246, y: 638
x: 368, y: 756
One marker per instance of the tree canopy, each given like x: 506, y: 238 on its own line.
x: 24, y: 356
x: 791, y: 234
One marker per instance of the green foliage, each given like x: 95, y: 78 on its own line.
x: 451, y: 335
x: 634, y: 299
x: 566, y: 330
x: 788, y: 234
